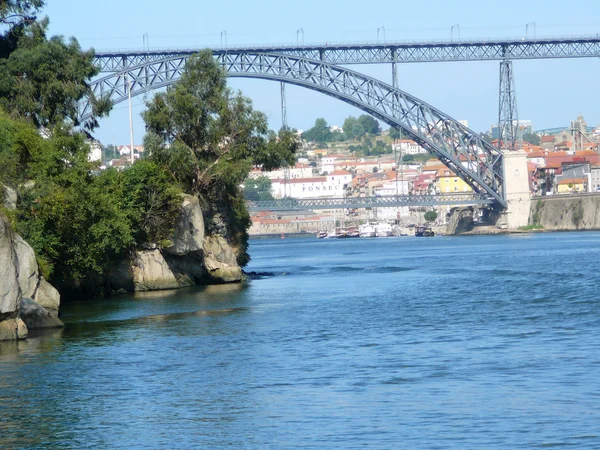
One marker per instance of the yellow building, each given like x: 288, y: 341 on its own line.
x: 569, y: 185
x: 448, y: 183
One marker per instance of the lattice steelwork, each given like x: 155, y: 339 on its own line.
x: 460, y: 149
x: 508, y: 118
x: 387, y: 201
x: 477, y: 50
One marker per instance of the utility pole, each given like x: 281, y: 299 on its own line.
x: 130, y: 116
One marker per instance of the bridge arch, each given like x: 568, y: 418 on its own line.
x: 463, y: 151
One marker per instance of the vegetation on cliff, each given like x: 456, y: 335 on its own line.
x: 209, y: 138
x: 202, y: 139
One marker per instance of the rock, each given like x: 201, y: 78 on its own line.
x: 151, y: 271
x: 461, y: 220
x: 188, y: 236
x: 9, y: 197
x: 36, y: 316
x: 120, y: 277
x: 220, y: 260
x: 12, y: 329
x: 29, y: 274
x: 47, y: 296
x: 10, y: 291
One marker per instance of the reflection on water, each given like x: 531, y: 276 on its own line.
x: 485, y: 342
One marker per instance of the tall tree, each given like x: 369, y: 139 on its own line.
x: 320, y: 132
x: 370, y: 125
x: 209, y: 137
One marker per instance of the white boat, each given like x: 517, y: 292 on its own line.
x: 367, y: 230
x: 383, y: 229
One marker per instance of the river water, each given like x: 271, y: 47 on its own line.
x: 445, y: 342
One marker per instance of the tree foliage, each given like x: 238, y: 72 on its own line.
x: 42, y: 79
x: 258, y: 189
x: 78, y: 223
x: 19, y: 12
x: 209, y: 138
x: 320, y: 132
x: 430, y: 216
x: 532, y: 138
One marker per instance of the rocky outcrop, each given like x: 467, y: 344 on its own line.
x: 188, y: 235
x: 8, y: 196
x: 20, y: 276
x: 36, y: 316
x: 153, y: 270
x: 460, y: 221
x: 220, y: 260
x: 10, y: 291
x: 193, y: 258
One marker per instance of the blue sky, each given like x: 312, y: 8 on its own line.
x: 550, y: 92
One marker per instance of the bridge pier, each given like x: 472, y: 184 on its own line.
x: 516, y: 189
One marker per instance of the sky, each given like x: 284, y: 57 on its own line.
x: 550, y: 93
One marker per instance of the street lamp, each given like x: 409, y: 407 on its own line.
x: 298, y: 32
x: 383, y: 29
x: 457, y: 26
x: 127, y: 83
x: 527, y: 29
x: 223, y: 33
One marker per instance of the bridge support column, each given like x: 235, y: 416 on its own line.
x: 284, y: 124
x: 516, y: 188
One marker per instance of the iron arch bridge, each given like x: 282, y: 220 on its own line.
x: 462, y: 150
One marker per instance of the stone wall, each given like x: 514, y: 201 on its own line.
x: 575, y: 212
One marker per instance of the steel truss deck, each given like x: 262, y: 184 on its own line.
x: 388, y: 201
x: 372, y: 53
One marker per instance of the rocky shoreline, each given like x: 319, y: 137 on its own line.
x: 28, y: 301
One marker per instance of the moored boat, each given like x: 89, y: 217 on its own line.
x: 383, y: 229
x: 424, y: 231
x: 367, y: 230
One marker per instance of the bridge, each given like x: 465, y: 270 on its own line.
x: 320, y: 68
x: 384, y: 201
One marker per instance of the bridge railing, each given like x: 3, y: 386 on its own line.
x: 381, y: 43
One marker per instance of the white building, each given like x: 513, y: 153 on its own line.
x: 408, y: 147
x: 308, y: 187
x: 95, y: 153
x: 298, y: 171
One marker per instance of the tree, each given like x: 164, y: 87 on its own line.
x: 532, y: 138
x: 320, y: 132
x: 209, y: 138
x: 430, y: 216
x: 19, y: 12
x: 258, y: 189
x: 42, y: 79
x: 352, y: 128
x: 370, y: 125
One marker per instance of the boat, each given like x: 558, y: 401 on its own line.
x: 424, y: 231
x: 367, y: 230
x: 321, y: 234
x: 383, y: 229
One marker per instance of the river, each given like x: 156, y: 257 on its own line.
x: 446, y: 342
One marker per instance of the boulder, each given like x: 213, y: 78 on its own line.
x: 151, y: 271
x: 8, y: 196
x: 47, y: 296
x: 220, y: 260
x: 12, y: 329
x: 10, y: 291
x: 188, y: 235
x: 36, y: 316
x: 29, y: 274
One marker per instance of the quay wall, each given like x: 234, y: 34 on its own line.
x: 566, y: 213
